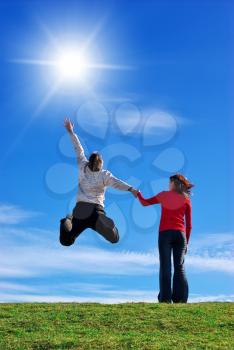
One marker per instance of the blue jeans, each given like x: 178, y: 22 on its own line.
x: 172, y: 241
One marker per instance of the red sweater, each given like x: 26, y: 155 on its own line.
x: 175, y: 207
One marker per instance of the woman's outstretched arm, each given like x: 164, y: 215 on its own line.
x: 149, y: 201
x: 76, y: 142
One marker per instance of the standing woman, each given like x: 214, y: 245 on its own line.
x: 173, y: 237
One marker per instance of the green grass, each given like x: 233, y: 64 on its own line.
x: 124, y: 326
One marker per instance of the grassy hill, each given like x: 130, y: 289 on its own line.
x: 124, y: 326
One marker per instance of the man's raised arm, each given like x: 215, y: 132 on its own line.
x: 76, y: 142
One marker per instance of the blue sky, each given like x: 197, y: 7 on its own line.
x: 166, y: 108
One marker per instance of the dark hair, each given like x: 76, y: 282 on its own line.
x: 182, y: 184
x: 95, y: 161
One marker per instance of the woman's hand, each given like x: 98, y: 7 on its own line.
x: 68, y: 125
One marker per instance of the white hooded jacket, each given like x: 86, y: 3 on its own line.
x: 92, y: 184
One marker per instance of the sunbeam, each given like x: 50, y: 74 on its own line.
x: 67, y: 63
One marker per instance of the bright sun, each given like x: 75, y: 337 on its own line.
x: 72, y: 66
x: 69, y: 65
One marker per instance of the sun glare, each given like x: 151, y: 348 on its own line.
x: 72, y: 66
x: 69, y: 65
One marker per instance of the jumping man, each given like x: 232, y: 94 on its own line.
x: 89, y: 209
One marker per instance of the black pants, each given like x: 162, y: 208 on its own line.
x: 88, y: 215
x: 172, y: 241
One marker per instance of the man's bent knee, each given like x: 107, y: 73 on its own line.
x: 64, y: 238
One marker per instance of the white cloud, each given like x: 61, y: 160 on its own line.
x: 64, y: 293
x: 213, y: 298
x: 213, y: 245
x: 15, y: 287
x: 211, y: 252
x: 199, y: 264
x: 43, y: 261
x: 33, y: 252
x: 100, y: 294
x: 13, y: 214
x: 57, y: 299
x: 14, y: 271
x: 37, y: 253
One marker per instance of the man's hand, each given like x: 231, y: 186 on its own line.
x: 134, y: 192
x: 68, y: 125
x: 186, y: 249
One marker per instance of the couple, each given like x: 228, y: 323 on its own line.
x: 89, y: 213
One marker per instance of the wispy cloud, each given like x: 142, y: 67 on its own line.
x: 58, y: 299
x: 33, y: 254
x: 213, y: 245
x: 208, y: 298
x: 98, y: 293
x: 15, y: 287
x: 149, y: 297
x: 37, y: 261
x: 13, y: 214
x: 202, y: 264
x: 14, y: 271
x: 37, y: 252
x: 73, y: 292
